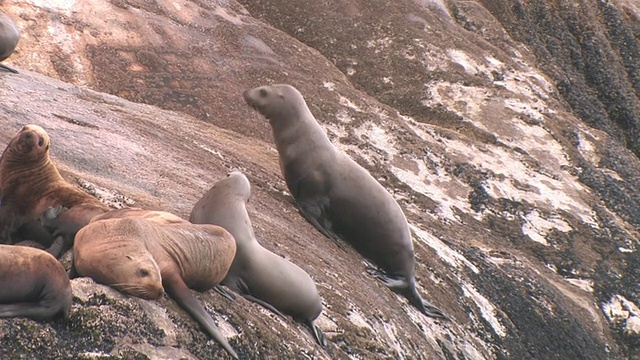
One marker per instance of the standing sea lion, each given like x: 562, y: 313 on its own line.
x: 29, y: 185
x: 33, y: 284
x: 9, y: 36
x: 257, y: 273
x: 335, y: 194
x: 139, y: 257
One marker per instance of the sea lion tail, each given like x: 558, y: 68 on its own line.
x: 425, y: 307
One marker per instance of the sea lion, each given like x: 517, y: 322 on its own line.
x: 63, y: 222
x: 9, y: 36
x: 256, y: 273
x: 335, y: 194
x: 140, y: 257
x: 29, y: 185
x: 157, y: 216
x: 33, y: 284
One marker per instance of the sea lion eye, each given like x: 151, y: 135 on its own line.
x: 41, y: 141
x: 143, y: 272
x: 263, y: 92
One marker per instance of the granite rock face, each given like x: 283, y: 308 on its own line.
x: 507, y: 131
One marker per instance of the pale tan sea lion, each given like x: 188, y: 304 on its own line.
x: 335, y: 194
x: 141, y: 258
x: 29, y: 185
x: 256, y: 273
x: 33, y: 284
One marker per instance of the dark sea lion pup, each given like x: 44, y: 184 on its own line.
x: 9, y: 36
x: 256, y: 273
x: 335, y: 194
x: 33, y: 284
x: 141, y: 257
x: 63, y: 222
x: 29, y: 185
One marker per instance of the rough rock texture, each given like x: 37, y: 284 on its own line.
x: 507, y: 130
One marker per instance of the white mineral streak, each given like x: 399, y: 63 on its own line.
x: 446, y: 253
x: 487, y: 309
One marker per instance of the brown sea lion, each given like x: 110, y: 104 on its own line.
x: 335, y: 194
x: 140, y: 257
x: 29, y: 185
x: 33, y: 284
x: 9, y: 37
x: 256, y: 273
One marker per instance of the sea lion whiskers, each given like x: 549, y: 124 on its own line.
x: 139, y: 290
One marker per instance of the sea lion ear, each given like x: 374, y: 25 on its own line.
x: 129, y: 257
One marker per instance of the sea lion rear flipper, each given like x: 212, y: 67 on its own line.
x: 224, y: 292
x: 261, y: 302
x: 8, y: 69
x: 407, y: 289
x: 178, y: 290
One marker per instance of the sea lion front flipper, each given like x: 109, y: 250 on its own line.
x: 314, y: 213
x: 8, y: 69
x: 317, y: 333
x: 224, y: 292
x: 27, y: 309
x: 264, y: 304
x: 180, y: 293
x: 50, y: 220
x: 60, y: 245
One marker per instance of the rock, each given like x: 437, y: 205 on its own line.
x: 491, y: 126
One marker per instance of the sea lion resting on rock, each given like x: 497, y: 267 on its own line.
x: 257, y: 273
x: 61, y: 221
x: 9, y: 36
x: 141, y: 257
x: 29, y: 185
x: 33, y: 284
x: 335, y: 194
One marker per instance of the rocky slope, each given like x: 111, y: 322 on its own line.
x: 506, y: 130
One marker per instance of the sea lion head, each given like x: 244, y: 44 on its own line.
x: 274, y: 102
x: 135, y: 274
x: 236, y: 184
x: 110, y: 252
x: 29, y: 144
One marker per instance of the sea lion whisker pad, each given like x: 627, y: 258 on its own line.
x: 335, y: 194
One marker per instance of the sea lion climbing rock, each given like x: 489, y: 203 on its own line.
x: 335, y: 194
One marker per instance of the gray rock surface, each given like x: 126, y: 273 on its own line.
x: 507, y: 131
